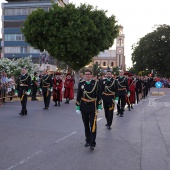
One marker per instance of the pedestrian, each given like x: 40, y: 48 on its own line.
x: 34, y: 86
x: 123, y: 90
x: 46, y: 88
x: 88, y: 104
x: 11, y: 87
x: 109, y: 88
x: 4, y: 85
x: 23, y: 89
x: 69, y: 88
x: 57, y: 89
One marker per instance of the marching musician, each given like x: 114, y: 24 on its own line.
x: 109, y: 88
x: 34, y: 86
x: 46, y: 86
x: 123, y: 90
x: 88, y: 104
x: 23, y: 89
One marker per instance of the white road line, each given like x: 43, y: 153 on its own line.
x: 73, y: 133
x: 24, y: 160
x: 9, y: 106
x: 99, y: 119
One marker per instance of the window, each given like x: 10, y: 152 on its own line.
x: 15, y: 49
x: 18, y: 11
x: 13, y: 24
x: 23, y: 49
x: 112, y: 64
x: 104, y: 63
x: 14, y: 37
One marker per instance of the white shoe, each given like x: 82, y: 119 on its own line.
x: 11, y: 101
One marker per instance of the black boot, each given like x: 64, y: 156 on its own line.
x: 25, y: 112
x: 129, y: 107
x: 58, y: 103
x: 55, y: 104
x: 121, y: 112
x: 21, y: 113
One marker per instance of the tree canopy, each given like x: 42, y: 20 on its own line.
x: 152, y: 52
x: 71, y: 34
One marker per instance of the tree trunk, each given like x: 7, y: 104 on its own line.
x: 76, y: 80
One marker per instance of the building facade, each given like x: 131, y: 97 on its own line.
x: 14, y: 13
x: 113, y: 58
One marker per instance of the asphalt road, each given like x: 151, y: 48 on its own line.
x: 54, y: 139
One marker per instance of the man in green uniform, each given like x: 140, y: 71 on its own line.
x: 46, y: 86
x: 23, y: 90
x: 88, y: 104
x: 34, y: 86
x: 109, y: 96
x: 123, y: 91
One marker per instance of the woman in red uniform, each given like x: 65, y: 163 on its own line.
x: 57, y: 89
x: 69, y: 90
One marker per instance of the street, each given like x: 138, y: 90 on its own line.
x: 54, y: 139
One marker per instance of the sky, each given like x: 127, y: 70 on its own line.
x: 138, y: 17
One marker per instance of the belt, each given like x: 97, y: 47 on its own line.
x: 25, y: 85
x: 87, y: 100
x: 122, y: 89
x: 109, y: 94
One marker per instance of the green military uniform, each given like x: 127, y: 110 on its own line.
x: 23, y: 86
x: 123, y: 90
x: 34, y: 87
x: 46, y: 86
x: 109, y: 94
x: 88, y: 102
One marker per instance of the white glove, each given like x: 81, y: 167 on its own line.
x: 116, y: 101
x: 16, y: 94
x: 40, y: 90
x: 27, y: 93
x: 51, y: 90
x: 99, y: 110
x: 78, y: 112
x: 128, y: 95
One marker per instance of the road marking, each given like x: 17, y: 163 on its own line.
x: 10, y: 106
x: 24, y: 160
x: 99, y: 119
x: 65, y: 137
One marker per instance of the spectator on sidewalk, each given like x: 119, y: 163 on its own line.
x: 11, y: 87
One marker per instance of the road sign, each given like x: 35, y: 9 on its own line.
x: 158, y: 84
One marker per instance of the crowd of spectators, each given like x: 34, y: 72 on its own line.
x: 7, y: 87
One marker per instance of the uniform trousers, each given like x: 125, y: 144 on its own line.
x: 34, y: 92
x: 108, y: 109
x: 23, y: 98
x: 47, y: 97
x: 88, y: 116
x: 121, y: 104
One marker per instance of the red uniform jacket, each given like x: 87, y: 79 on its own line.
x: 57, y: 89
x: 132, y: 86
x: 69, y: 91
